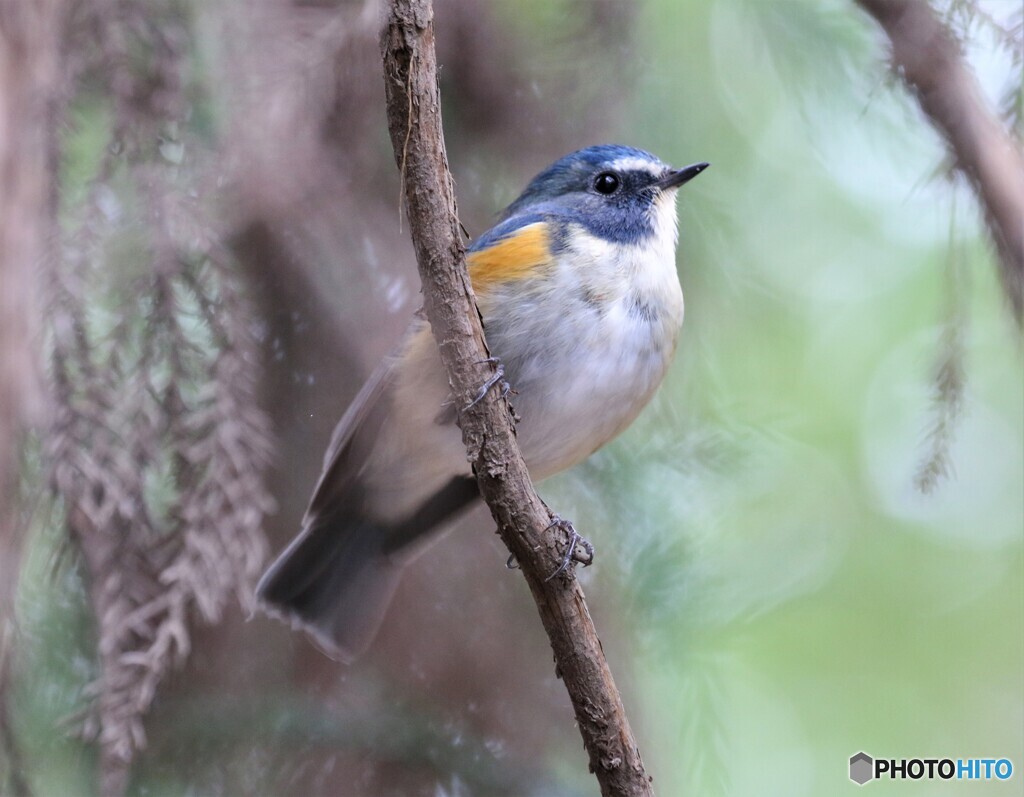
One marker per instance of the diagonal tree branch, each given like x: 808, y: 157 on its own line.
x: 414, y: 120
x: 930, y: 64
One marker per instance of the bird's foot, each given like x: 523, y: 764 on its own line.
x: 498, y: 378
x: 577, y: 550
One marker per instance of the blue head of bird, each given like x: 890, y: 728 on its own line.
x: 617, y: 193
x: 606, y: 217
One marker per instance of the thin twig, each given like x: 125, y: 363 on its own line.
x: 929, y: 62
x: 410, y: 67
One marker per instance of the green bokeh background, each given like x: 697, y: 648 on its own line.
x: 827, y: 606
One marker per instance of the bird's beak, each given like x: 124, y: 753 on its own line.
x: 674, y: 179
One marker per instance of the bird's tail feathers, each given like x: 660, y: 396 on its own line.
x: 333, y: 583
x: 336, y: 579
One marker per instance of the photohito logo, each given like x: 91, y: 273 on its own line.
x: 864, y: 768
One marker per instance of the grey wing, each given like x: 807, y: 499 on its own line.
x: 336, y: 577
x: 352, y: 441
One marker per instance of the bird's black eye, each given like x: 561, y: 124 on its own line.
x: 606, y: 183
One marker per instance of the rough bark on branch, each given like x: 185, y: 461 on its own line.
x: 414, y: 120
x: 930, y: 64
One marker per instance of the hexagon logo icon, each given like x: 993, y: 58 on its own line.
x: 862, y: 768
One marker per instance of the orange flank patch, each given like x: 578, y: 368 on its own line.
x: 519, y: 256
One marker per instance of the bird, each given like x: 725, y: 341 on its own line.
x: 579, y: 294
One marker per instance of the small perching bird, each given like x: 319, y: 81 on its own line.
x: 581, y: 305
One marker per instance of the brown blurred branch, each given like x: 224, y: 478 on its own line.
x: 30, y: 61
x: 414, y: 120
x: 29, y: 70
x: 930, y: 64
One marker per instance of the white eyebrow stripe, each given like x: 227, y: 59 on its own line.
x: 633, y: 163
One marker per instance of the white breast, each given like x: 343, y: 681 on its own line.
x: 586, y: 351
